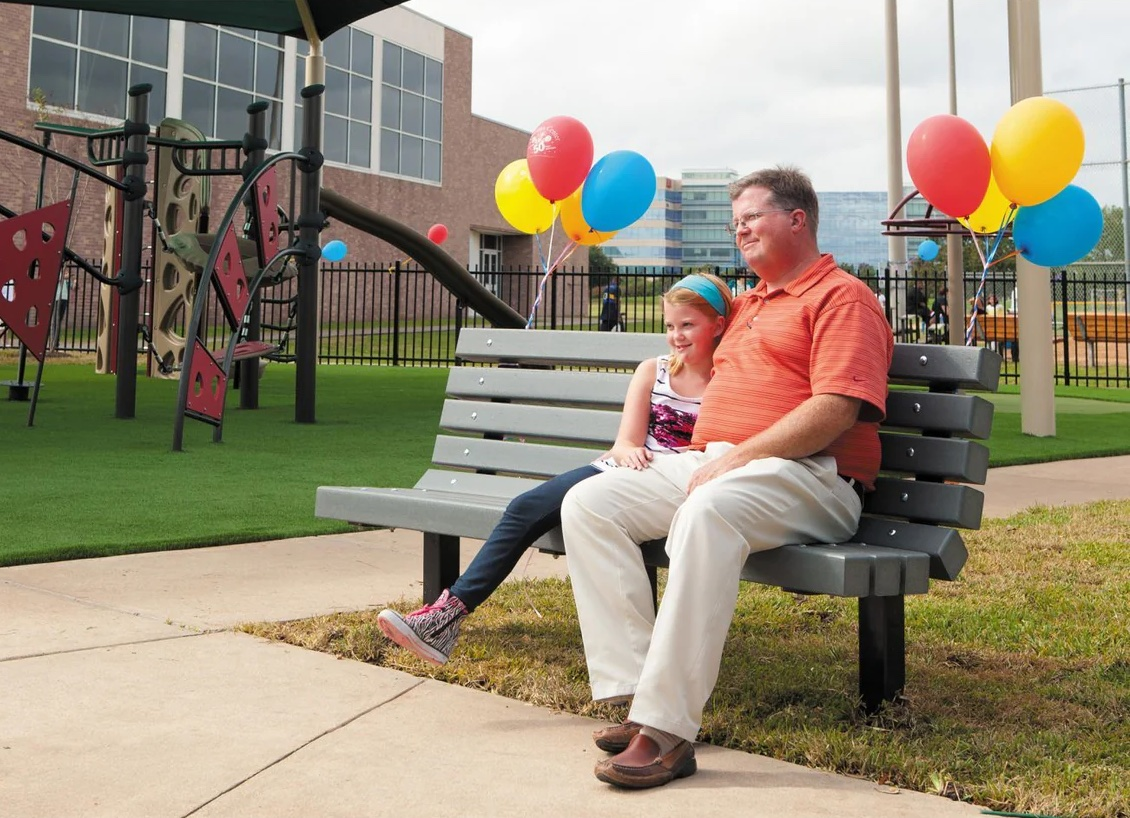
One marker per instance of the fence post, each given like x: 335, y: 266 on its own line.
x: 553, y: 302
x: 1066, y: 328
x: 396, y: 314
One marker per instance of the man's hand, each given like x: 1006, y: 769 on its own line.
x: 716, y: 468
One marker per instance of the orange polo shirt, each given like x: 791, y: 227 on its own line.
x: 822, y: 334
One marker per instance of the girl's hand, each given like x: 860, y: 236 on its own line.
x: 632, y: 457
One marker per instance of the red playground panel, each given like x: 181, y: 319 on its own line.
x: 266, y: 197
x: 206, y: 387
x: 231, y: 280
x: 29, y: 272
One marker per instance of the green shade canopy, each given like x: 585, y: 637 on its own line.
x: 278, y: 16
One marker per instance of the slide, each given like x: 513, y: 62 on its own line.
x: 449, y: 272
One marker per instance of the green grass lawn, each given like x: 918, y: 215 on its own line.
x: 82, y: 483
x: 1017, y: 685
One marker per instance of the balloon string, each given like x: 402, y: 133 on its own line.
x: 1013, y: 254
x: 977, y: 247
x: 565, y: 253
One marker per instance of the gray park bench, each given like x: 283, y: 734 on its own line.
x: 525, y: 405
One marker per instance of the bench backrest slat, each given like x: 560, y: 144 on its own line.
x: 934, y: 457
x: 963, y: 415
x: 549, y: 386
x: 946, y: 367
x: 562, y: 423
x: 559, y: 347
x: 509, y: 456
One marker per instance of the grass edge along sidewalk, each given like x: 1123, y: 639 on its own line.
x: 81, y: 483
x: 1019, y: 674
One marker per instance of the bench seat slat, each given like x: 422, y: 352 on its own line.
x: 589, y: 426
x: 963, y: 415
x: 943, y: 546
x: 509, y: 456
x: 546, y: 386
x: 934, y: 456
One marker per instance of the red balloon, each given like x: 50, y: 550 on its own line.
x: 437, y: 233
x: 559, y: 155
x: 949, y: 163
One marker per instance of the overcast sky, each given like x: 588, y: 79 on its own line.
x: 745, y: 84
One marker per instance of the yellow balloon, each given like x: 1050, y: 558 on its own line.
x: 1037, y: 149
x: 519, y: 201
x: 574, y: 224
x: 994, y: 212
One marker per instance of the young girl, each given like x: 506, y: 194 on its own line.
x: 659, y: 414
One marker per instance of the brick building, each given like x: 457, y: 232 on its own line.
x: 400, y: 136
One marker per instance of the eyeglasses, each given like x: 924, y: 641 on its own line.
x: 749, y: 218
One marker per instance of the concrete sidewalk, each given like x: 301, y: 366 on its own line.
x: 127, y: 694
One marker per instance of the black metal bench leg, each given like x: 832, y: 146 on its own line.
x: 441, y: 564
x: 882, y: 649
x: 653, y: 578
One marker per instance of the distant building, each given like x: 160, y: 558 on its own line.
x: 706, y: 212
x: 656, y: 239
x: 851, y: 227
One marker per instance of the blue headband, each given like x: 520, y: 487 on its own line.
x: 700, y: 285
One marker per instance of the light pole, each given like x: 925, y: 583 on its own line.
x: 1037, y: 387
x: 896, y: 245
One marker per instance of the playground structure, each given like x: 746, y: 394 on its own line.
x: 189, y: 263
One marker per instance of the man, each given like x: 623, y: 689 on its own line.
x: 786, y: 441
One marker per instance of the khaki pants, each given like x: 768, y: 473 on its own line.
x: 669, y: 662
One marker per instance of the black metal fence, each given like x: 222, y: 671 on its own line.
x: 399, y: 315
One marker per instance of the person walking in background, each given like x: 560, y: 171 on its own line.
x: 659, y: 414
x: 940, y: 316
x: 59, y: 311
x: 610, y: 307
x: 785, y: 444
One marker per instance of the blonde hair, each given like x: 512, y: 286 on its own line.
x: 682, y: 296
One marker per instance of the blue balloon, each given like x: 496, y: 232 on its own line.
x: 334, y: 250
x: 928, y: 250
x: 1059, y: 231
x: 618, y: 190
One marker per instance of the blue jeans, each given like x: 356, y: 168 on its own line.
x: 528, y: 516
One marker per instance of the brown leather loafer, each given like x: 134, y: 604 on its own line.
x: 615, y: 739
x: 641, y: 766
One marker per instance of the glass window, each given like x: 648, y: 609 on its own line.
x: 200, y: 51
x: 360, y: 98
x: 336, y: 49
x: 361, y: 58
x: 360, y: 140
x: 59, y: 24
x: 86, y: 60
x: 149, y: 42
x: 200, y: 105
x: 226, y: 69
x: 433, y: 79
x: 390, y: 151
x: 390, y: 64
x: 411, y: 114
x: 349, y: 99
x: 335, y: 138
x: 102, y: 85
x: 53, y: 73
x: 390, y: 107
x: 237, y: 61
x: 108, y: 33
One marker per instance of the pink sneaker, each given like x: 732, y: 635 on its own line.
x: 430, y: 632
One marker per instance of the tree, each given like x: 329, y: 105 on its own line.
x: 599, y: 260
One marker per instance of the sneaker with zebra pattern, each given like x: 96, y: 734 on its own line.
x: 430, y: 632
